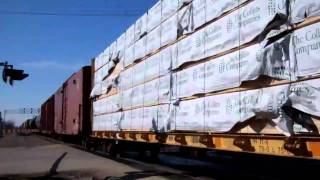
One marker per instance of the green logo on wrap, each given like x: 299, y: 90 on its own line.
x: 272, y: 7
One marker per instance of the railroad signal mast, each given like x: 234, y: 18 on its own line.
x: 9, y: 74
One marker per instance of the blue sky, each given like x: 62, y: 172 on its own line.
x: 51, y: 48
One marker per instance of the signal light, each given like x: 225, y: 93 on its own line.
x: 10, y: 74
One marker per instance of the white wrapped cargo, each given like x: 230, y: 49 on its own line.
x: 165, y: 92
x: 125, y: 121
x: 114, y: 103
x: 152, y: 67
x: 136, y: 119
x: 154, y: 16
x: 169, y: 30
x: 105, y: 85
x: 96, y: 90
x: 113, y: 51
x: 140, y: 48
x: 104, y: 72
x: 184, y: 3
x: 305, y: 96
x: 121, y: 44
x: 169, y: 7
x: 126, y: 100
x: 138, y: 72
x: 190, y: 81
x: 116, y: 118
x: 137, y: 96
x: 231, y: 70
x: 257, y: 16
x: 95, y: 123
x: 190, y: 49
x: 224, y: 111
x: 277, y: 62
x: 150, y: 94
x: 198, y: 13
x: 141, y: 27
x: 106, y: 122
x: 126, y: 78
x: 221, y: 112
x: 150, y: 118
x: 153, y: 40
x: 223, y: 34
x: 165, y: 118
x: 130, y: 36
x: 105, y: 57
x: 190, y: 115
x: 185, y: 20
x: 217, y: 7
x: 168, y: 56
x: 300, y: 10
x: 305, y: 49
x: 129, y: 56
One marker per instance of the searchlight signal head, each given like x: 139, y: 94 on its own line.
x: 10, y: 75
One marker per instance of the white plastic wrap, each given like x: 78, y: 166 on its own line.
x: 277, y: 62
x: 190, y: 49
x: 152, y: 67
x: 218, y: 7
x: 125, y: 121
x: 305, y: 96
x: 257, y: 16
x: 169, y: 30
x: 130, y: 36
x: 305, y: 49
x: 190, y: 81
x: 141, y: 26
x: 138, y: 73
x: 129, y: 56
x: 166, y: 119
x: 198, y: 13
x: 231, y: 70
x: 150, y: 119
x: 113, y: 51
x: 126, y: 79
x: 140, y: 48
x: 303, y: 9
x: 137, y: 96
x: 114, y: 103
x: 154, y: 16
x: 184, y: 2
x: 185, y: 20
x: 105, y: 85
x: 169, y: 7
x: 137, y: 119
x: 121, y: 44
x: 126, y: 99
x: 105, y: 57
x: 190, y: 115
x: 221, y: 112
x: 116, y: 117
x: 150, y: 94
x: 165, y: 92
x: 168, y: 56
x: 153, y: 40
x: 96, y: 90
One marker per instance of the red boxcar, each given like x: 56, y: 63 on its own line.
x: 72, y: 108
x: 47, y: 116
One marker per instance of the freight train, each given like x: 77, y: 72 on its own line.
x: 237, y: 76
